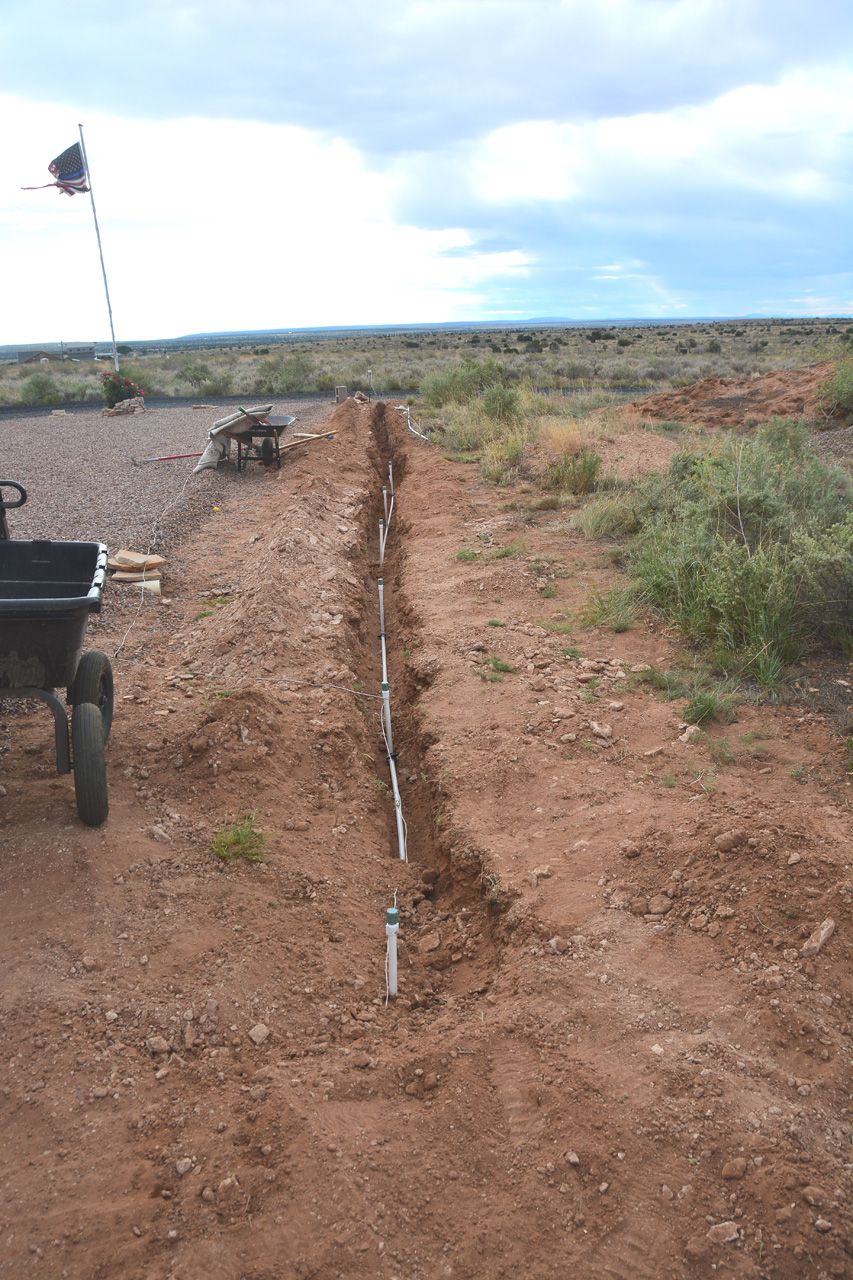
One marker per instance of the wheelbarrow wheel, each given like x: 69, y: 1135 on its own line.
x: 89, y: 764
x: 94, y: 683
x: 267, y: 452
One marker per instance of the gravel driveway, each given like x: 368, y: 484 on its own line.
x: 82, y: 484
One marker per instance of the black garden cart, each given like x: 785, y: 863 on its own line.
x: 47, y: 591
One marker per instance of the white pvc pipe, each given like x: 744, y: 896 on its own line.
x: 392, y: 928
x: 391, y: 478
x: 381, y: 542
x: 385, y: 501
x: 381, y: 607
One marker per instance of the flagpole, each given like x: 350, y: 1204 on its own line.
x: 100, y: 250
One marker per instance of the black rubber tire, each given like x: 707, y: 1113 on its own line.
x: 267, y: 451
x: 94, y: 683
x: 89, y: 764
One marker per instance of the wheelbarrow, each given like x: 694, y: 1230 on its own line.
x: 47, y: 591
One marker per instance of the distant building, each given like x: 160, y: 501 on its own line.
x: 86, y: 351
x: 36, y: 357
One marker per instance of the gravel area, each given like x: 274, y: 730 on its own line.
x: 82, y: 484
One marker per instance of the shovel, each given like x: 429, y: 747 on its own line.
x: 167, y: 457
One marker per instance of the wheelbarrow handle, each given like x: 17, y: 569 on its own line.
x: 12, y: 484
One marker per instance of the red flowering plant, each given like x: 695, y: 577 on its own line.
x: 117, y: 387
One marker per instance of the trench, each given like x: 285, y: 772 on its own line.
x: 454, y: 884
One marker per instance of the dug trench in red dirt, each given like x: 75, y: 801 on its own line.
x: 613, y: 1053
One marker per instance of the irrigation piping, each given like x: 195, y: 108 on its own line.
x: 404, y: 408
x: 385, y: 710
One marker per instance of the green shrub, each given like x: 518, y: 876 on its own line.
x: 616, y: 609
x: 39, y: 388
x: 836, y: 395
x: 240, y: 839
x: 502, y: 404
x: 577, y: 472
x: 609, y: 515
x: 750, y: 548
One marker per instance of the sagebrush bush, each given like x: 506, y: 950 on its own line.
x: 749, y: 549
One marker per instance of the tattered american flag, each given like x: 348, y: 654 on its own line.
x: 69, y: 171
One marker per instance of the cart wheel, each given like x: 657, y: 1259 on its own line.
x: 267, y: 452
x: 94, y: 683
x: 89, y: 764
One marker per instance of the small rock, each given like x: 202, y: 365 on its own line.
x: 616, y: 706
x: 159, y: 834
x: 257, y: 1093
x: 659, y: 905
x: 558, y: 944
x: 360, y: 1060
x: 100, y: 1091
x: 143, y: 960
x: 430, y: 942
x: 813, y: 945
x: 658, y: 1049
x: 696, y: 1248
x: 89, y: 963
x: 723, y: 1233
x: 639, y: 907
x: 735, y: 1168
x: 699, y: 922
x: 822, y: 1225
x: 157, y: 1044
x: 713, y: 929
x: 572, y: 1158
x: 794, y: 859
x: 207, y: 1194
x: 542, y: 872
x: 729, y: 840
x: 603, y: 731
x: 259, y: 1033
x: 184, y: 1166
x: 689, y: 732
x: 815, y: 1196
x: 638, y: 667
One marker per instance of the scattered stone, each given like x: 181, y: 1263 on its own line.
x: 143, y: 960
x: 558, y: 944
x: 794, y: 859
x: 259, y: 1033
x: 696, y: 1249
x: 616, y: 706
x: 160, y: 835
x: 603, y: 731
x: 542, y: 873
x: 821, y: 935
x: 658, y: 1049
x: 638, y: 667
x: 572, y: 1158
x: 360, y: 1060
x: 430, y: 942
x: 207, y: 1194
x: 723, y: 1233
x: 822, y: 1225
x: 689, y: 732
x: 815, y: 1196
x: 714, y: 929
x: 639, y: 907
x: 89, y: 963
x: 257, y: 1093
x: 100, y: 1091
x: 699, y: 922
x: 184, y: 1166
x: 735, y: 1168
x: 659, y: 905
x: 729, y: 840
x: 157, y: 1044
x: 655, y: 751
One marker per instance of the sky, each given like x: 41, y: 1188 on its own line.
x: 269, y: 164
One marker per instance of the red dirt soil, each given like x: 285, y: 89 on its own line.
x: 735, y: 402
x: 609, y: 1057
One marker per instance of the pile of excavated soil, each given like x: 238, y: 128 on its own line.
x: 614, y: 1052
x: 735, y: 402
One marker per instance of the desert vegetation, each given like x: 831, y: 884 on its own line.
x: 595, y: 360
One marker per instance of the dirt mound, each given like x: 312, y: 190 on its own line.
x: 739, y: 402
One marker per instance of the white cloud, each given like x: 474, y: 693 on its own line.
x: 214, y: 224
x: 787, y: 139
